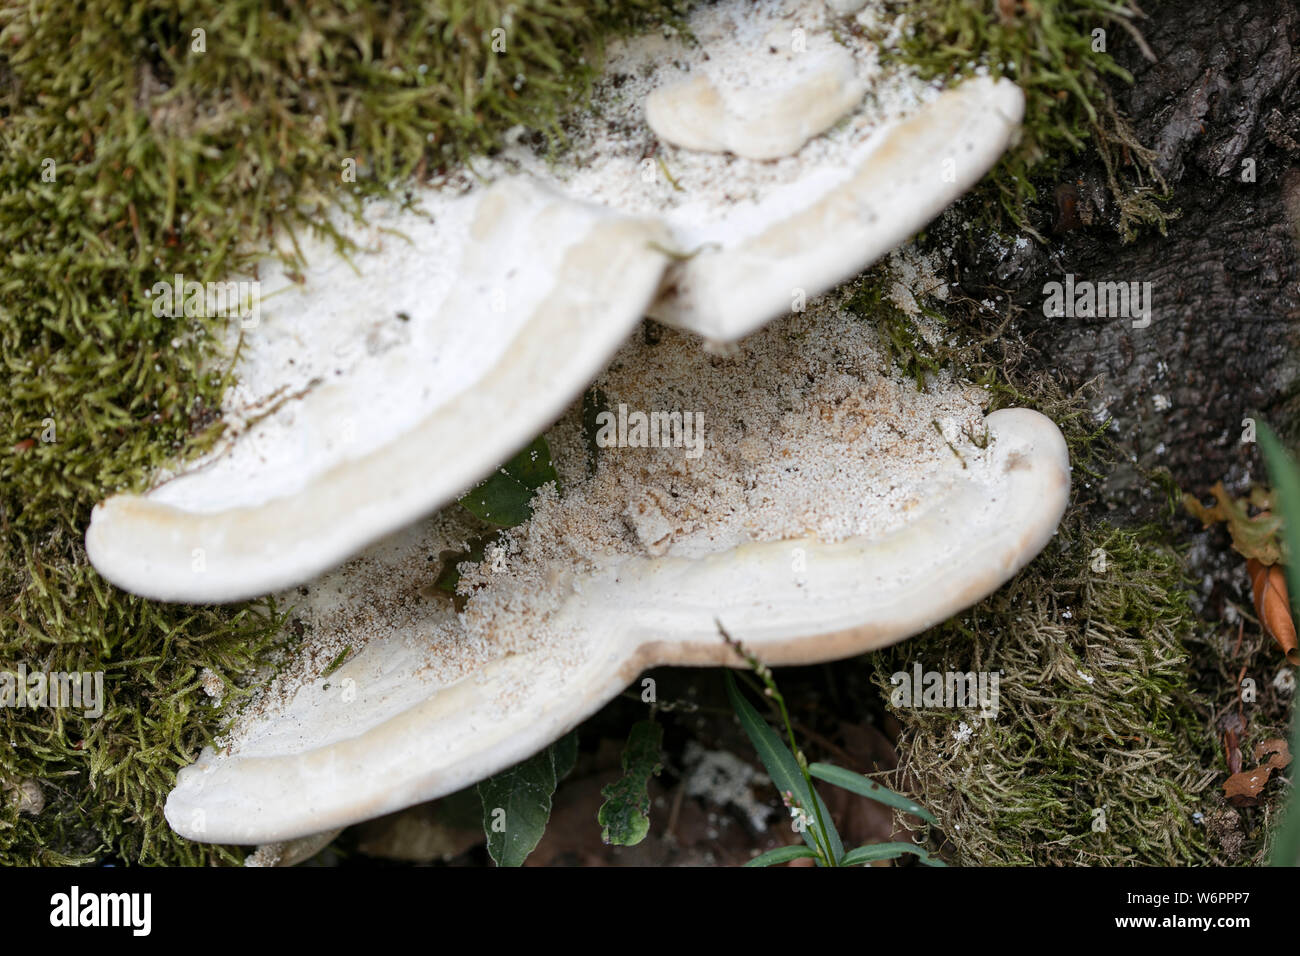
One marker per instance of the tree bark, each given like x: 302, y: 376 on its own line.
x: 1221, y: 97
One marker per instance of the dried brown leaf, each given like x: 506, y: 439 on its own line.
x: 1232, y: 751
x: 1268, y: 588
x: 1279, y: 751
x: 1243, y: 789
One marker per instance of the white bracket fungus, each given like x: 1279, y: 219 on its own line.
x: 507, y: 303
x: 789, y: 97
x: 902, y: 177
x: 325, y: 759
x: 376, y: 390
x: 829, y: 509
x: 840, y: 536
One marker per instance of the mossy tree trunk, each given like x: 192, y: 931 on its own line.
x: 1218, y: 102
x: 1220, y: 105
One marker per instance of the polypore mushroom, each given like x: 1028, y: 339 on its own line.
x: 836, y: 508
x: 761, y: 82
x: 767, y: 258
x: 384, y: 385
x: 376, y: 388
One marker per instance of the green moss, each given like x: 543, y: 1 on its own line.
x: 991, y: 361
x: 167, y: 158
x: 1045, y: 46
x: 1095, y: 713
x: 903, y: 343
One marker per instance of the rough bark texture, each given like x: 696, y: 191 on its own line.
x: 1224, y: 89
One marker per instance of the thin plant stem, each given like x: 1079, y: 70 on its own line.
x: 764, y: 674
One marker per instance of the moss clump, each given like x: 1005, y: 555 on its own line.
x: 1094, y: 714
x: 143, y: 139
x: 1048, y: 48
x: 903, y: 343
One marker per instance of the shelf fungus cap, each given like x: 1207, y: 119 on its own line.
x: 789, y: 155
x: 373, y: 738
x: 378, y: 387
x: 374, y: 388
x: 852, y: 209
x: 813, y: 516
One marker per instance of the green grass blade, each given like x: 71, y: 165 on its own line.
x: 782, y: 854
x: 1286, y: 490
x: 781, y: 765
x: 889, y: 851
x: 865, y: 787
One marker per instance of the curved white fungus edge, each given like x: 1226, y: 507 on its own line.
x: 325, y: 764
x: 229, y: 530
x: 565, y: 308
x: 804, y: 95
x: 913, y: 171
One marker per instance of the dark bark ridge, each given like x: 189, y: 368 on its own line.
x: 1220, y: 105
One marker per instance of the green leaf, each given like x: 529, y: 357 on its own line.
x: 782, y: 854
x: 532, y: 466
x: 500, y: 500
x: 865, y: 787
x: 1286, y: 492
x: 503, y: 498
x: 566, y: 755
x: 781, y: 766
x: 625, y: 814
x: 888, y: 851
x: 516, y: 806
